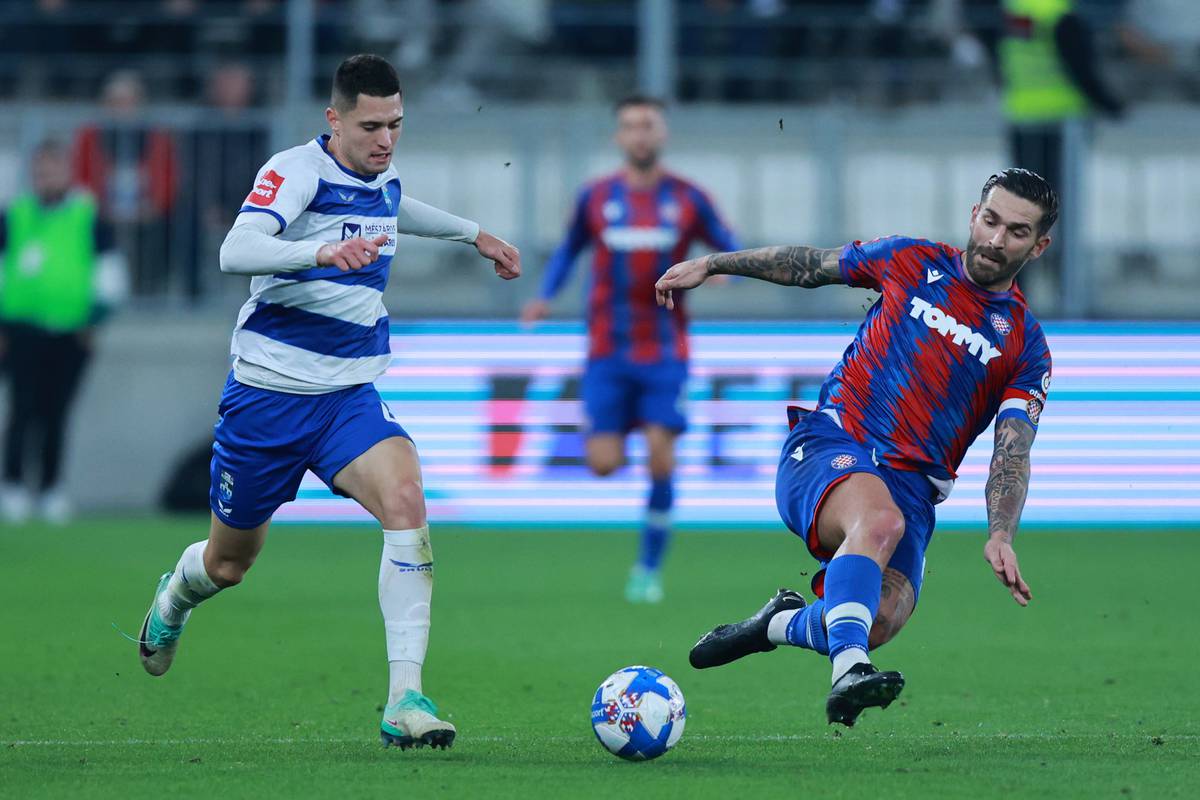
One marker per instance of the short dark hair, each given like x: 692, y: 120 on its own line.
x: 1030, y: 186
x: 363, y: 74
x: 639, y: 100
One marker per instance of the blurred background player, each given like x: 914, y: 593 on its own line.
x: 949, y: 346
x: 640, y: 221
x: 59, y: 271
x: 318, y: 232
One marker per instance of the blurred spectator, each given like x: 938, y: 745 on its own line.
x: 226, y: 152
x: 406, y: 27
x: 737, y: 42
x: 133, y: 171
x: 58, y: 269
x: 1164, y: 35
x: 494, y: 33
x: 1051, y: 75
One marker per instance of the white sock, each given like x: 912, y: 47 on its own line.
x: 405, y: 590
x: 846, y: 659
x: 188, y: 587
x: 777, y: 627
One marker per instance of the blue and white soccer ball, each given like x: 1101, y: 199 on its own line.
x: 638, y: 713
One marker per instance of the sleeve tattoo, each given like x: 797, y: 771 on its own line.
x: 788, y: 266
x: 1008, y: 477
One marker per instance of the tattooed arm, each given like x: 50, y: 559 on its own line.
x: 789, y: 266
x: 1007, y: 485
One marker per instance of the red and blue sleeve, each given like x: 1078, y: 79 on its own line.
x: 713, y: 229
x: 558, y: 268
x: 866, y: 264
x: 1025, y: 395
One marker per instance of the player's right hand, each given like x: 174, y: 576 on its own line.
x: 534, y: 311
x: 351, y: 254
x: 684, y: 275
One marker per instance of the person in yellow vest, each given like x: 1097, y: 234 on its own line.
x: 54, y: 252
x: 1050, y: 74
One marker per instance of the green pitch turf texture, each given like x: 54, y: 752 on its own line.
x: 1090, y: 692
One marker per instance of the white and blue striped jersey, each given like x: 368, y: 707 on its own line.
x: 318, y: 329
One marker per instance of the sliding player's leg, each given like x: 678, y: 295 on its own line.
x: 385, y: 479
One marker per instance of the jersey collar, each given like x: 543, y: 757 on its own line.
x: 323, y: 141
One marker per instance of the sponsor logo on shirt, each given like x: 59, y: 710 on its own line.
x: 627, y: 239
x: 351, y: 230
x: 611, y: 211
x: 948, y: 326
x: 266, y: 190
x: 932, y: 275
x: 1046, y: 382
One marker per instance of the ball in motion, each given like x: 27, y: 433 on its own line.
x: 638, y: 713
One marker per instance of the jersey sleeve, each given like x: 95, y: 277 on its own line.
x: 866, y: 264
x: 558, y: 268
x: 282, y: 189
x: 1025, y: 395
x: 711, y: 226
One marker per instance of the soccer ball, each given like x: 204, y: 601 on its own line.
x: 638, y: 713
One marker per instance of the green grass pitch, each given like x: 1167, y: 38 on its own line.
x: 1090, y: 692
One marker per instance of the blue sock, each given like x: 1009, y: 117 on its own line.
x: 657, y: 532
x: 852, y: 585
x: 807, y: 628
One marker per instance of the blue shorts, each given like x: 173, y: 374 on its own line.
x: 266, y: 440
x: 619, y: 395
x: 817, y: 456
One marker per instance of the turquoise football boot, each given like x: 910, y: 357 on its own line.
x: 644, y: 585
x: 158, y: 641
x: 412, y: 722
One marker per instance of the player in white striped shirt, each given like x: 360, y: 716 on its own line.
x: 318, y: 233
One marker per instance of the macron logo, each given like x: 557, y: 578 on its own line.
x: 948, y: 326
x: 932, y: 275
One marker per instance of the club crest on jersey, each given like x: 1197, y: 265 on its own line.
x: 266, y: 190
x: 351, y: 230
x: 1002, y: 325
x: 844, y: 461
x: 1034, y: 408
x: 948, y: 326
x: 669, y: 212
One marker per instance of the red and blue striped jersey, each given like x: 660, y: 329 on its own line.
x: 935, y: 360
x: 638, y: 234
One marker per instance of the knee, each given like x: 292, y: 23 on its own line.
x: 604, y: 464
x: 402, y: 505
x: 227, y: 571
x: 880, y: 531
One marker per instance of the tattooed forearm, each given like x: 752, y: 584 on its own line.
x: 1008, y: 477
x: 790, y: 266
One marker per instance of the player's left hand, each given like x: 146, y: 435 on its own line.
x: 1000, y: 554
x: 684, y: 275
x: 506, y: 257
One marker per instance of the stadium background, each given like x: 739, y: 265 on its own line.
x: 809, y: 121
x: 805, y: 120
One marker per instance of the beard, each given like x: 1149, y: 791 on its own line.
x: 644, y: 163
x: 989, y: 273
